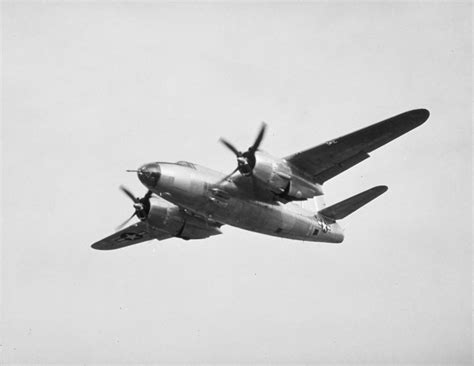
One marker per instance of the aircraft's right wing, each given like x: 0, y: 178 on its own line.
x: 331, y: 158
x: 133, y: 234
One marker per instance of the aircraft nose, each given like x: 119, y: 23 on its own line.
x: 149, y: 174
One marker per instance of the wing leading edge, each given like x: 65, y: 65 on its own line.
x: 331, y: 158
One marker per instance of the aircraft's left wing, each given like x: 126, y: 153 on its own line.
x: 335, y: 156
x: 133, y: 234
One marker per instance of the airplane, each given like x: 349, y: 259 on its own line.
x: 189, y: 201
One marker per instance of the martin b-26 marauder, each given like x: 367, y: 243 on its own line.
x: 189, y: 201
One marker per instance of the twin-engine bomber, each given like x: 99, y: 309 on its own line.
x: 189, y: 201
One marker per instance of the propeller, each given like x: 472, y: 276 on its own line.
x: 245, y: 160
x: 141, y: 205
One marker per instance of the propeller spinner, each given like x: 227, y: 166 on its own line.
x: 141, y: 205
x: 245, y: 160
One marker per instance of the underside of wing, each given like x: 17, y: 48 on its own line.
x: 133, y: 234
x: 331, y: 158
x: 349, y: 205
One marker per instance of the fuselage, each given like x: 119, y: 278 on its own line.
x: 203, y: 192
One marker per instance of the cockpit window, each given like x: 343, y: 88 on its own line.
x: 187, y: 164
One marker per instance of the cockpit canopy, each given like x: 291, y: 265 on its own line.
x: 186, y: 163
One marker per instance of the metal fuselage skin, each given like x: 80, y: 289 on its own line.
x: 202, y: 192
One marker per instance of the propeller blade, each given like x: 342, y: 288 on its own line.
x: 259, y: 139
x: 125, y: 222
x: 148, y: 194
x: 230, y: 146
x: 228, y: 176
x: 245, y: 161
x: 129, y: 194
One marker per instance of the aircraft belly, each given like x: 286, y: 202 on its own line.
x: 250, y: 216
x: 264, y: 218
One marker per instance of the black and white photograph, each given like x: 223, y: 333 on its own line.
x: 236, y: 182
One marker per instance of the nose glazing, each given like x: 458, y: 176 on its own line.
x: 149, y: 174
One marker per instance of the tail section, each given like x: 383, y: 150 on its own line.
x: 348, y: 206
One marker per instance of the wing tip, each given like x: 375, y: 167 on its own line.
x: 407, y: 121
x: 97, y: 246
x: 380, y: 189
x: 419, y: 116
x: 105, y: 245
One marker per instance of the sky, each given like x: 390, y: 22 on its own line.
x: 90, y: 89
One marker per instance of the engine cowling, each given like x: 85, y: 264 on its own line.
x: 166, y: 216
x: 272, y: 172
x: 282, y: 180
x: 300, y: 189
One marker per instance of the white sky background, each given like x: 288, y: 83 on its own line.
x: 92, y: 89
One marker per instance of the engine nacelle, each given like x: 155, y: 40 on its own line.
x: 279, y: 176
x: 166, y: 216
x: 300, y: 189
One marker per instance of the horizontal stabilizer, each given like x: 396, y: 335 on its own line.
x: 348, y: 206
